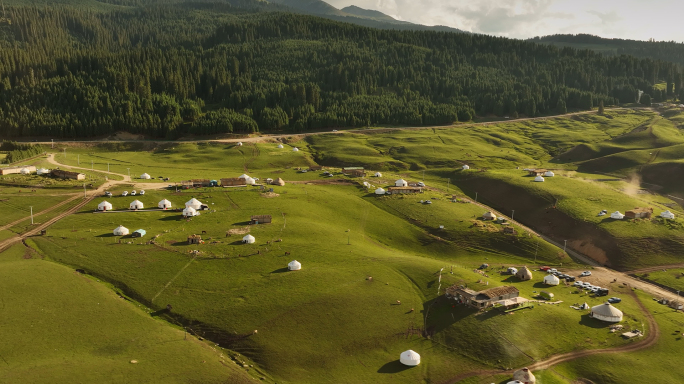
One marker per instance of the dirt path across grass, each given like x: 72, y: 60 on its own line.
x: 650, y: 340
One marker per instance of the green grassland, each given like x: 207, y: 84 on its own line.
x: 60, y: 326
x: 669, y: 277
x: 17, y: 205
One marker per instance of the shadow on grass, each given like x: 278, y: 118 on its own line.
x: 280, y: 270
x: 593, y: 323
x: 106, y: 235
x: 541, y: 285
x: 393, y: 367
x: 159, y: 312
x: 242, y: 223
x: 178, y: 217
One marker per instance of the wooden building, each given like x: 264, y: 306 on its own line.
x: 260, y: 219
x: 197, y: 183
x: 315, y: 168
x: 67, y: 174
x: 639, y: 213
x: 481, y: 299
x: 537, y: 172
x: 399, y: 190
x: 354, y: 171
x: 233, y: 182
x: 195, y: 239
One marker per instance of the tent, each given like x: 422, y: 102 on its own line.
x: 190, y: 212
x: 667, y: 215
x: 25, y: 171
x: 465, y: 167
x: 136, y: 204
x: 164, y: 204
x: 280, y: 146
x: 378, y: 174
x: 279, y: 182
x: 549, y: 174
x: 239, y: 144
x: 524, y: 376
x: 489, y: 216
x: 43, y: 171
x: 248, y: 239
x: 539, y: 179
x: 409, y: 358
x: 380, y: 191
x: 249, y: 181
x: 104, y: 206
x: 617, y: 215
x: 584, y: 306
x: 606, y: 312
x: 244, y: 176
x: 524, y: 274
x: 294, y: 265
x: 401, y: 183
x: 551, y: 280
x: 121, y: 231
x: 145, y: 176
x: 295, y: 149
x: 194, y: 203
x: 512, y: 270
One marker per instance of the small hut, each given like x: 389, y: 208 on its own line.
x: 524, y: 274
x: 378, y: 174
x: 121, y: 231
x: 524, y: 376
x: 194, y: 239
x: 606, y: 312
x: 135, y: 205
x: 667, y: 215
x: 401, y: 183
x: 248, y: 239
x: 294, y: 265
x: 380, y: 191
x: 617, y: 215
x: 104, y: 206
x: 194, y: 203
x: 164, y: 204
x: 539, y: 179
x: 489, y: 216
x: 145, y: 176
x: 409, y: 358
x: 551, y: 280
x: 260, y: 219
x: 139, y: 233
x: 465, y: 167
x: 549, y: 174
x: 279, y: 182
x: 190, y: 212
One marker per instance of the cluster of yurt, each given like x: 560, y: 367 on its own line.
x: 43, y: 171
x: 524, y: 274
x: 401, y: 183
x: 551, y: 280
x: 606, y: 312
x: 539, y: 179
x: 121, y: 231
x: 104, y: 206
x: 617, y: 215
x: 380, y: 191
x: 667, y: 215
x: 135, y: 205
x: 523, y: 376
x: 164, y: 204
x: 465, y: 167
x: 549, y: 174
x: 410, y: 358
x: 145, y: 176
x: 248, y: 239
x: 248, y: 180
x: 294, y: 265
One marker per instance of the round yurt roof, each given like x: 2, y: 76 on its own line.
x: 524, y: 273
x: 145, y: 175
x: 489, y: 215
x: 294, y: 265
x: 164, y: 203
x: 189, y: 211
x: 25, y: 170
x: 250, y: 181
x: 606, y: 312
x: 136, y: 203
x: 243, y: 176
x: 248, y: 239
x: 524, y: 375
x: 42, y: 171
x: 280, y: 146
x: 295, y: 149
x: 378, y: 174
x: 239, y: 143
x: 105, y: 204
x: 401, y: 183
x: 617, y: 215
x: 410, y: 358
x: 466, y: 166
x: 667, y: 215
x: 549, y: 174
x: 551, y: 280
x: 193, y: 203
x: 538, y: 178
x: 121, y: 231
x: 379, y: 191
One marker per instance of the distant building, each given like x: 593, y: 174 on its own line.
x: 233, y: 182
x: 139, y: 233
x: 195, y: 239
x: 67, y: 174
x: 537, y: 172
x: 17, y: 170
x: 639, y: 213
x: 316, y: 168
x: 260, y: 219
x: 401, y: 190
x: 481, y: 299
x: 354, y: 171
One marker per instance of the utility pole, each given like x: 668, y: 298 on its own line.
x: 31, y: 215
x: 512, y: 214
x: 53, y: 143
x: 476, y: 197
x: 78, y: 159
x: 85, y: 194
x: 565, y: 245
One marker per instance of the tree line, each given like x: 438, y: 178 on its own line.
x: 169, y: 69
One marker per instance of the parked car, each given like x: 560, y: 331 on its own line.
x: 108, y: 194
x: 545, y: 268
x: 585, y: 273
x: 614, y: 300
x: 552, y: 270
x: 578, y: 284
x: 421, y: 184
x: 125, y: 193
x: 133, y: 193
x: 569, y: 279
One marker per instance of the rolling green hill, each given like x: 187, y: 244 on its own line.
x: 370, y: 14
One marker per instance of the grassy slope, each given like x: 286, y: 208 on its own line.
x: 84, y: 332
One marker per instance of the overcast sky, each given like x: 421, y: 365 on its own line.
x: 628, y: 19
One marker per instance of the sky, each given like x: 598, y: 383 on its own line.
x: 626, y: 19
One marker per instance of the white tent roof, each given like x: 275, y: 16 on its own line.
x: 294, y: 265
x: 42, y: 171
x: 136, y: 204
x: 667, y: 215
x: 549, y: 174
x: 378, y: 174
x: 617, y: 215
x: 295, y: 149
x: 145, y: 176
x: 409, y: 358
x: 25, y: 171
x: 193, y: 203
x: 249, y: 181
x: 465, y: 166
x: 190, y: 211
x: 280, y: 146
x: 401, y: 183
x: 243, y: 176
x: 606, y: 312
x: 239, y: 143
x: 379, y: 191
x: 120, y: 231
x: 524, y: 375
x: 104, y: 205
x: 538, y: 178
x: 551, y: 280
x: 584, y: 306
x: 249, y: 239
x: 164, y: 204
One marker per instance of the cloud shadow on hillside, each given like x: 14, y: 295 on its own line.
x: 393, y: 367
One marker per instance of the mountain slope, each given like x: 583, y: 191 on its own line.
x: 370, y: 14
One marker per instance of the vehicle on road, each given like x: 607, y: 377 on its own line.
x: 108, y: 194
x: 614, y: 300
x: 585, y: 273
x: 125, y: 193
x: 544, y: 268
x: 553, y: 270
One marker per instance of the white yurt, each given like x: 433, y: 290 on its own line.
x: 489, y: 216
x: 239, y: 144
x: 164, y: 204
x: 401, y: 183
x: 606, y: 312
x: 551, y: 280
x: 244, y: 176
x: 248, y: 239
x: 280, y: 146
x: 190, y: 212
x: 295, y: 149
x: 121, y: 231
x: 617, y: 215
x: 104, y: 206
x: 136, y: 204
x: 194, y: 203
x: 145, y: 176
x: 378, y: 174
x: 43, y: 171
x: 25, y: 171
x: 294, y: 265
x: 249, y: 181
x: 525, y: 376
x: 465, y: 167
x: 539, y: 179
x: 379, y: 191
x: 549, y: 174
x: 667, y: 215
x: 409, y: 358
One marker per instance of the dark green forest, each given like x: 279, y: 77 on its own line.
x: 173, y: 68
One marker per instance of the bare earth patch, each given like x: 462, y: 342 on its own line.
x: 238, y: 231
x: 269, y: 195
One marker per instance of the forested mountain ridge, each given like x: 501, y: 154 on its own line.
x: 158, y: 69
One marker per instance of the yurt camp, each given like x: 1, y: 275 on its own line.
x: 248, y: 239
x: 145, y: 176
x: 194, y: 203
x: 380, y: 191
x: 524, y: 274
x: 190, y: 212
x: 164, y: 204
x: 667, y: 215
x: 135, y: 205
x: 606, y: 312
x: 539, y: 179
x: 104, y: 206
x: 551, y: 280
x: 617, y: 215
x: 294, y: 265
x: 409, y: 358
x: 401, y: 183
x: 121, y: 231
x: 524, y: 376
